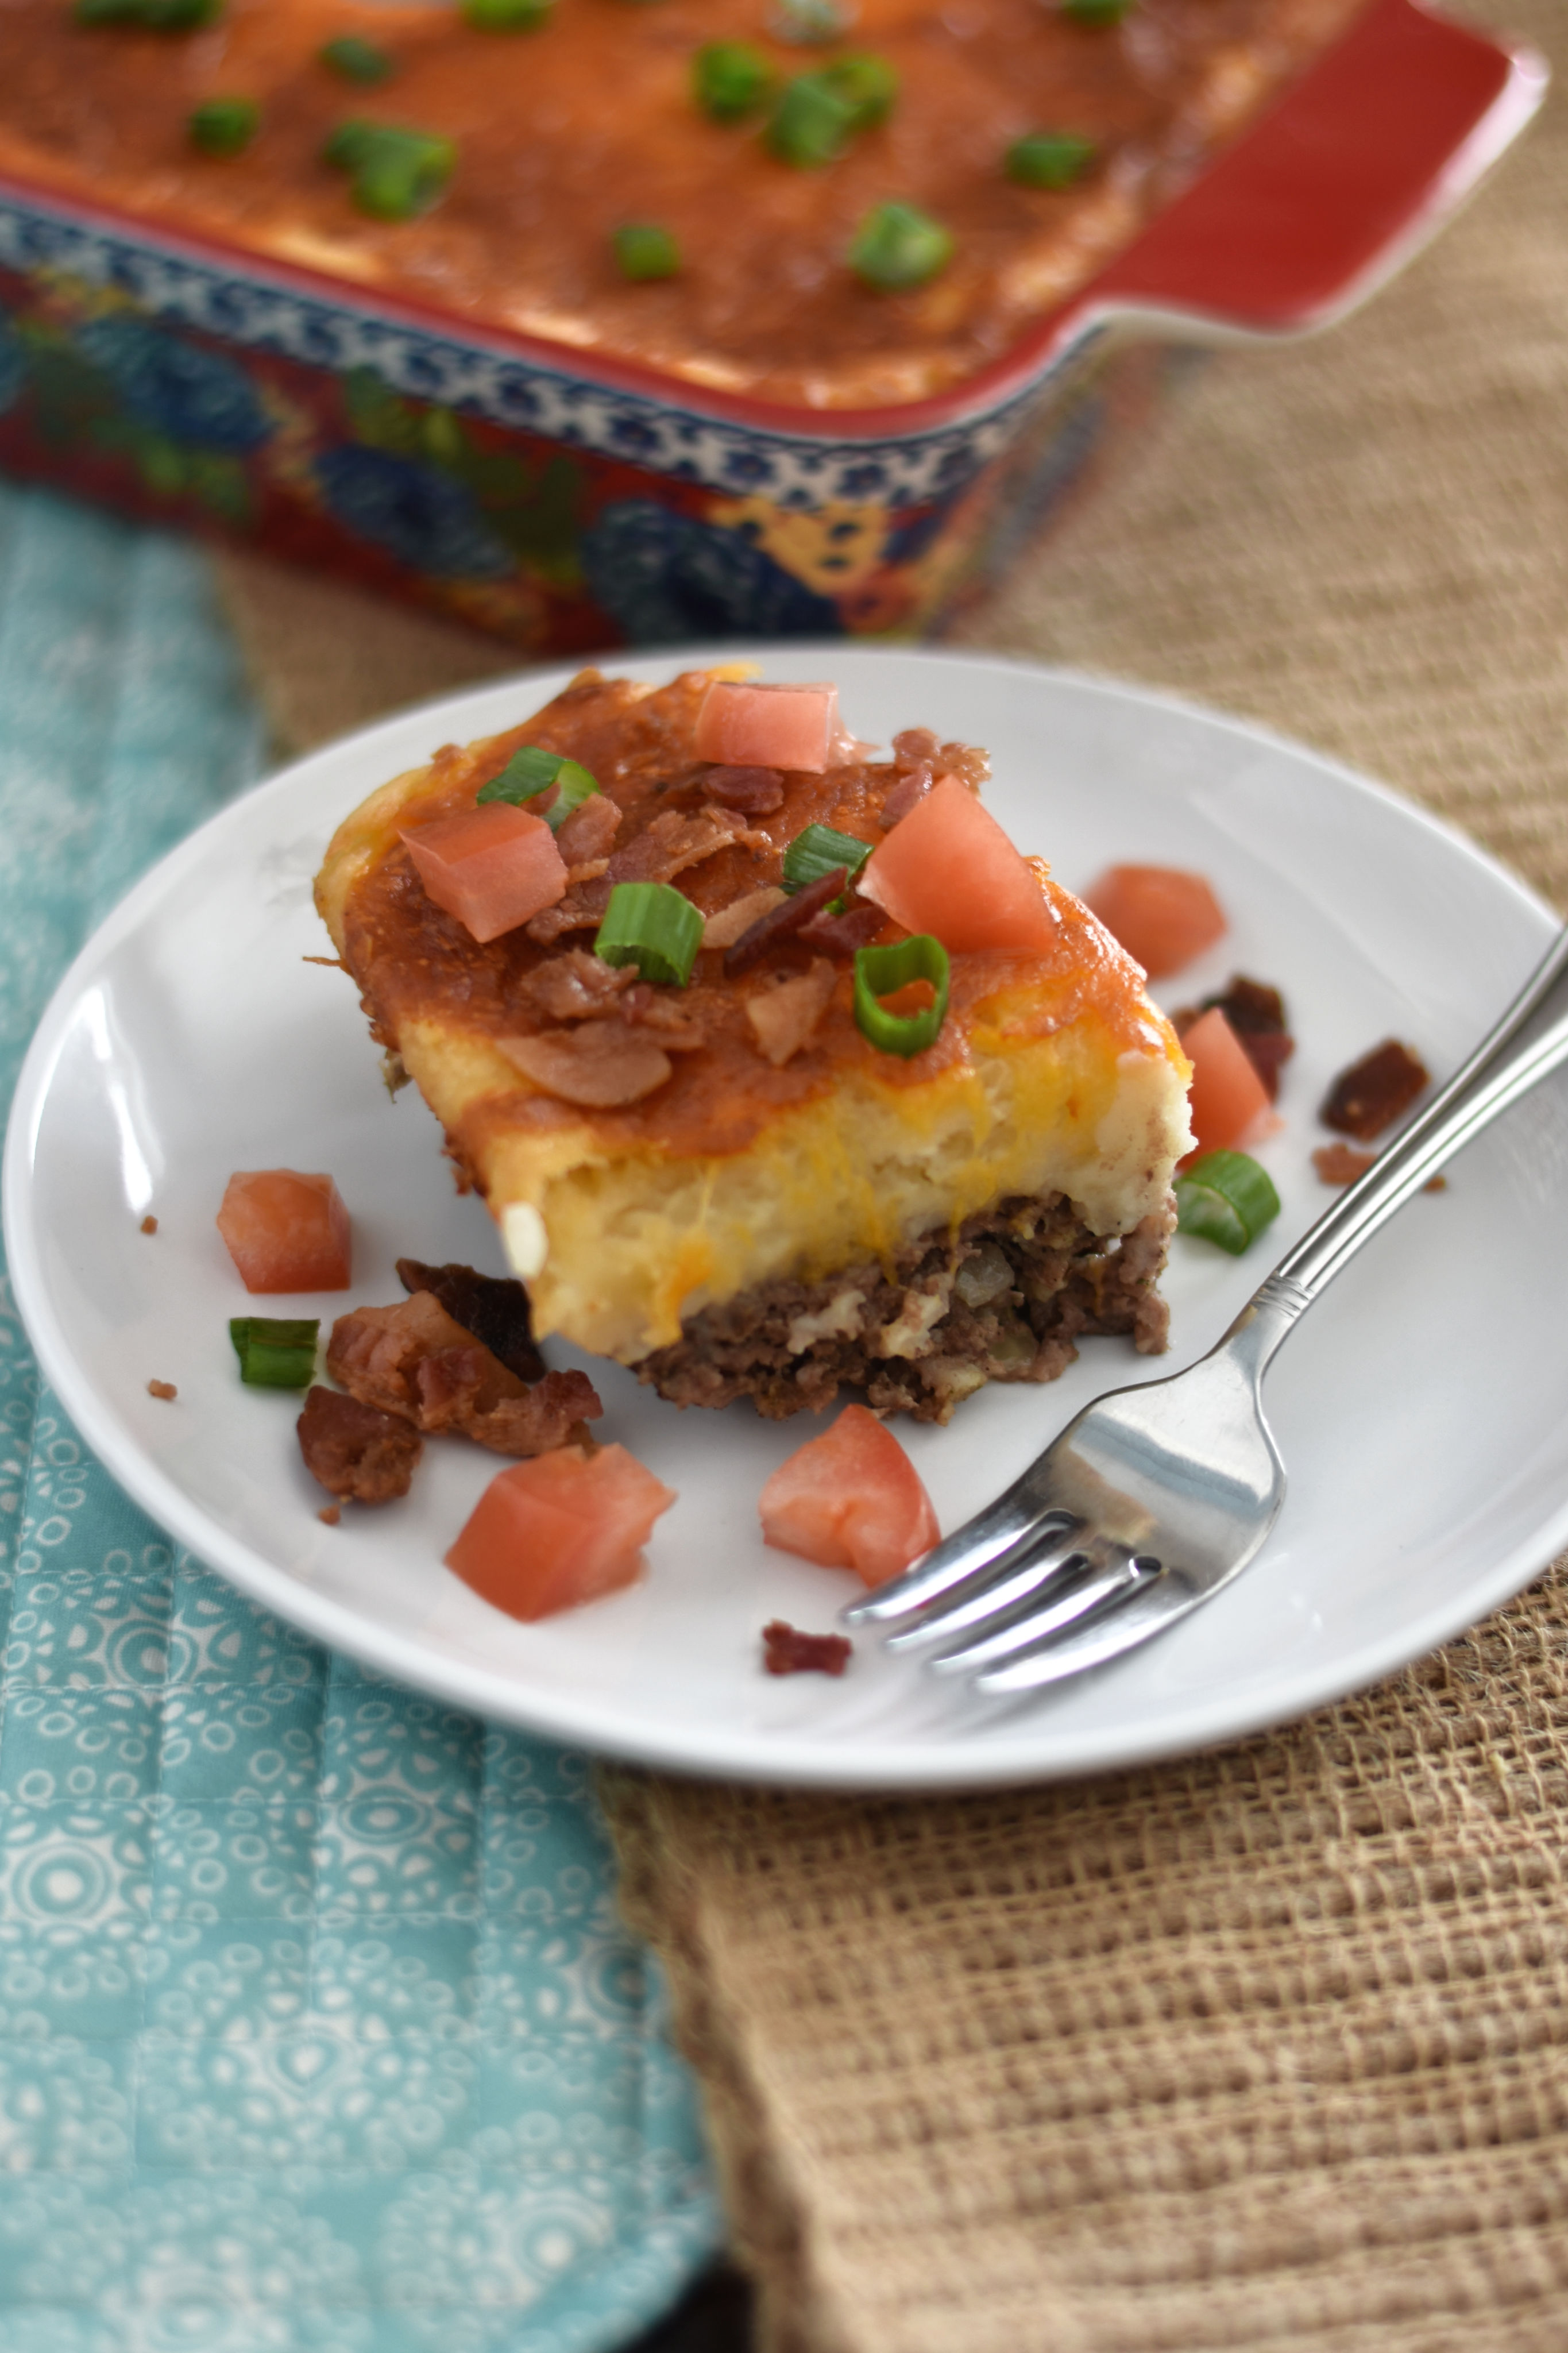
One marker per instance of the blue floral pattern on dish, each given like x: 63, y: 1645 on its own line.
x: 665, y: 579
x: 319, y: 2032
x: 415, y: 513
x: 178, y: 389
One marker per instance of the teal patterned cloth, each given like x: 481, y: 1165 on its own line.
x: 318, y: 2033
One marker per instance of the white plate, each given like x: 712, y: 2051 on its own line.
x: 1418, y: 1409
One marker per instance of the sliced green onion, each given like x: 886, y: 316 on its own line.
x: 881, y: 972
x: 729, y: 79
x: 506, y: 16
x: 1048, y: 159
x: 275, y: 1352
x: 356, y: 59
x: 396, y: 172
x: 151, y: 16
x: 1096, y: 12
x: 897, y: 246
x: 532, y: 769
x: 812, y: 124
x: 646, y: 251
x: 869, y: 84
x: 1226, y: 1198
x: 222, y: 126
x: 654, y: 926
x: 816, y: 851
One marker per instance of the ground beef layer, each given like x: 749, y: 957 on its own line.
x: 1004, y: 1301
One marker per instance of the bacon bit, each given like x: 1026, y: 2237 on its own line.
x: 162, y: 1390
x: 149, y: 1225
x: 680, y: 1025
x: 575, y: 986
x: 494, y: 1308
x: 673, y: 843
x: 601, y: 1065
x: 416, y: 1361
x: 587, y: 834
x: 914, y: 748
x: 1255, y: 1013
x: 1342, y: 1163
x: 857, y: 928
x: 723, y: 930
x: 354, y: 1448
x: 784, y: 1017
x: 1365, y: 1098
x: 329, y: 1515
x: 757, y: 791
x: 582, y: 909
x: 908, y: 789
x: 757, y: 943
x: 787, y: 1651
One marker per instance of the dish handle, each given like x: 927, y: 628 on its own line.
x: 1335, y: 186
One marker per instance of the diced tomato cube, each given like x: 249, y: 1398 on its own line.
x: 850, y: 1499
x: 751, y: 727
x: 286, y: 1231
x: 492, y: 867
x: 948, y: 867
x: 1228, y: 1101
x: 560, y: 1530
x: 1162, y: 916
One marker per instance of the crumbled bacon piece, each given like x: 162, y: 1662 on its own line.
x: 723, y: 928
x: 915, y: 748
x: 757, y: 791
x: 1372, y: 1092
x: 787, y: 1651
x: 494, y: 1308
x: 840, y: 935
x: 149, y: 1225
x: 575, y: 986
x: 1255, y: 1013
x: 770, y: 930
x: 590, y: 831
x: 1341, y: 1163
x: 329, y: 1515
x: 582, y: 909
x: 678, y: 1024
x: 354, y: 1448
x: 673, y: 843
x: 414, y: 1360
x: 162, y: 1390
x: 784, y: 1017
x: 911, y: 787
x: 601, y: 1064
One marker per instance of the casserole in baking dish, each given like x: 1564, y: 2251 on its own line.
x: 513, y: 323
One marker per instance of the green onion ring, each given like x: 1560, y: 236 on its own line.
x: 532, y: 769
x: 816, y: 851
x: 275, y: 1352
x: 1226, y: 1198
x: 880, y: 972
x: 654, y: 926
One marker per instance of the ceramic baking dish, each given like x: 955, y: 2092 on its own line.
x: 568, y: 502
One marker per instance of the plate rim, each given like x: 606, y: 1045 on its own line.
x: 789, y: 1760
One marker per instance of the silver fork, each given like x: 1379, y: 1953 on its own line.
x: 1154, y: 1497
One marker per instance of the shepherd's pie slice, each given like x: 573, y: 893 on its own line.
x: 744, y: 1184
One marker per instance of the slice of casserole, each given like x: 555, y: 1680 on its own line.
x: 762, y: 1180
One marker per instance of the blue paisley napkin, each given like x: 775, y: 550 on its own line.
x: 318, y: 2033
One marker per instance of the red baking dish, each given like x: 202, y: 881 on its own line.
x: 566, y: 502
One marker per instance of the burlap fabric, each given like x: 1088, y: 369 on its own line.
x: 1269, y: 2049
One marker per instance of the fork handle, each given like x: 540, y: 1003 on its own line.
x: 1529, y: 1041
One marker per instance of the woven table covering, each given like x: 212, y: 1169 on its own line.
x: 1268, y: 2048
x: 319, y: 2032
